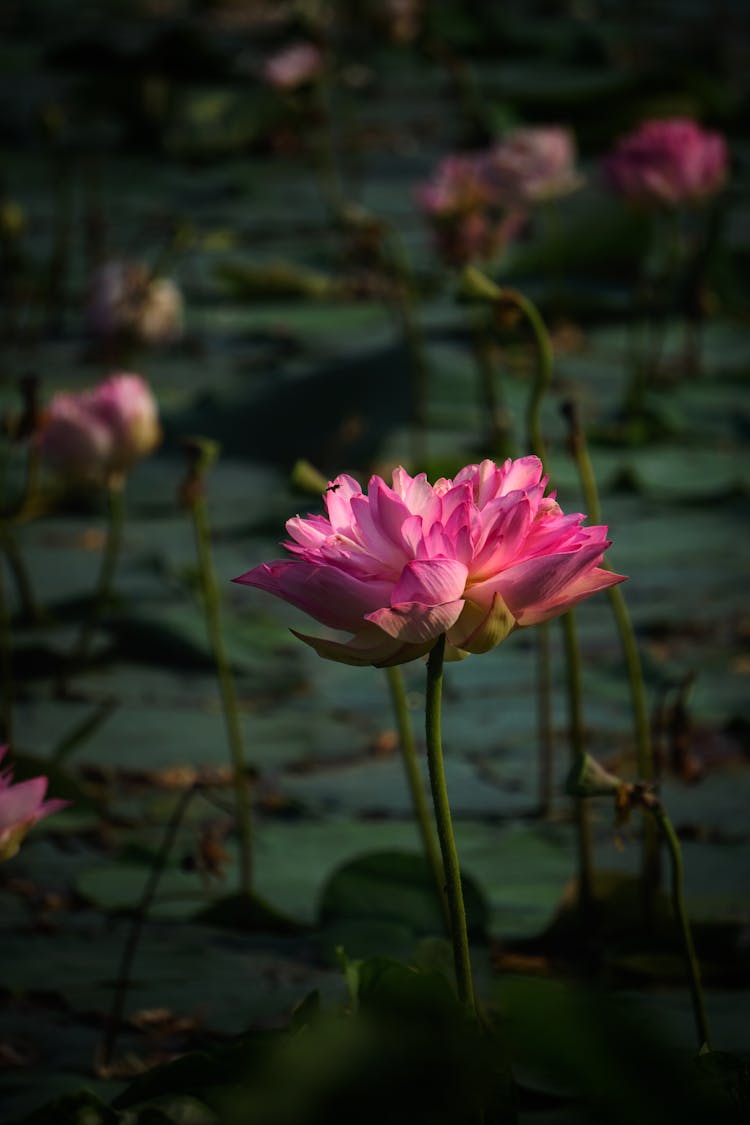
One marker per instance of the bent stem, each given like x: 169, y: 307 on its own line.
x: 642, y: 727
x: 416, y: 787
x: 122, y: 984
x: 578, y: 751
x: 211, y: 605
x: 666, y: 828
x: 500, y: 440
x: 454, y: 891
x: 115, y: 522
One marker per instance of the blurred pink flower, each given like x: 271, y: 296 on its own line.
x: 97, y: 435
x: 670, y: 161
x: 293, y: 66
x: 21, y: 806
x: 531, y: 165
x: 474, y: 557
x: 126, y: 301
x: 459, y: 203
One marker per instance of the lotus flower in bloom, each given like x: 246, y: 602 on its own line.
x: 21, y: 806
x: 474, y: 557
x: 126, y: 301
x: 531, y: 165
x: 671, y: 161
x: 97, y: 435
x: 293, y: 66
x: 461, y: 205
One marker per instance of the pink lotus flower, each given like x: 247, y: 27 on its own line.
x: 126, y: 301
x: 671, y: 161
x: 97, y: 435
x: 531, y: 165
x: 293, y: 66
x: 474, y: 557
x: 21, y: 806
x: 461, y: 206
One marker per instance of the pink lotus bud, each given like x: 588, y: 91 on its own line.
x: 126, y: 301
x: 474, y: 557
x: 21, y: 806
x: 531, y: 165
x: 293, y: 66
x: 125, y: 405
x: 671, y: 161
x: 96, y: 435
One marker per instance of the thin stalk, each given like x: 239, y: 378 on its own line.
x: 441, y: 804
x: 324, y: 151
x: 136, y: 927
x: 639, y: 704
x: 416, y: 787
x: 110, y: 555
x: 678, y: 902
x: 27, y: 603
x: 212, y: 608
x: 537, y: 445
x: 415, y: 343
x: 577, y: 737
x: 6, y: 665
x: 500, y: 440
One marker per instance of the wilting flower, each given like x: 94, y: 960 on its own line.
x: 21, y: 806
x: 671, y: 161
x: 531, y: 165
x: 474, y: 557
x: 461, y: 206
x: 127, y: 302
x: 293, y: 66
x: 97, y: 435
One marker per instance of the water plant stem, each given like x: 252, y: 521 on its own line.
x: 577, y: 737
x: 212, y: 609
x: 6, y: 665
x: 416, y: 787
x: 454, y: 891
x: 665, y: 826
x: 416, y: 347
x: 500, y: 441
x: 639, y: 704
x: 115, y: 499
x: 114, y: 1018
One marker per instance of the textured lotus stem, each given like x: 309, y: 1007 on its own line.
x: 115, y: 523
x: 416, y: 787
x: 500, y: 436
x: 642, y: 726
x: 114, y: 1018
x: 196, y: 503
x: 6, y: 665
x: 415, y: 343
x: 577, y: 737
x: 454, y: 891
x: 655, y: 807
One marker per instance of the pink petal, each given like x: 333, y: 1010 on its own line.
x: 416, y: 623
x: 371, y: 647
x: 589, y: 584
x: 430, y: 582
x: 327, y: 593
x: 539, y: 581
x: 19, y: 803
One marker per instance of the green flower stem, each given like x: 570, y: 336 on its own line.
x: 212, y: 608
x: 416, y: 347
x: 136, y: 927
x: 115, y: 497
x: 577, y: 736
x: 29, y: 609
x: 324, y: 151
x: 454, y: 891
x: 642, y: 731
x: 416, y: 787
x: 6, y: 665
x: 500, y: 439
x: 666, y: 828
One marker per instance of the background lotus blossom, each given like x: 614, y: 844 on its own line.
x: 461, y: 206
x: 474, y: 557
x: 21, y: 806
x: 670, y: 161
x: 126, y: 301
x: 531, y: 165
x: 93, y: 434
x: 293, y: 66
